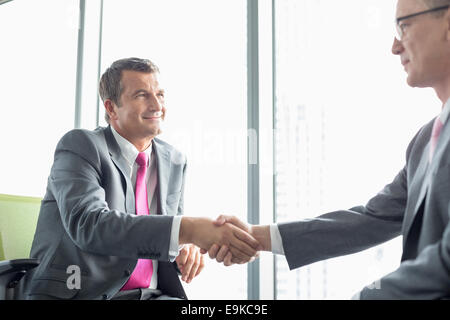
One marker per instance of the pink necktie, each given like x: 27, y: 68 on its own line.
x: 437, y: 127
x: 142, y: 274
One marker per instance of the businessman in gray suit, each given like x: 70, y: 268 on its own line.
x: 111, y: 215
x: 416, y: 204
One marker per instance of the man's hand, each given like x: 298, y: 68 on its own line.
x: 203, y: 232
x: 190, y: 262
x: 221, y: 253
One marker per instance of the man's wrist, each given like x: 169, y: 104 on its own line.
x: 186, y: 227
x: 262, y: 234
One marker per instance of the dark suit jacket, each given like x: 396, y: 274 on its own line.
x: 87, y: 219
x: 416, y: 205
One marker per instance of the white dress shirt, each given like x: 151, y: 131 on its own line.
x: 130, y: 153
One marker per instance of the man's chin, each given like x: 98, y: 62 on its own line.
x: 412, y: 81
x: 154, y: 132
x: 415, y: 81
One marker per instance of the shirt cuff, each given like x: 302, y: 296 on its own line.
x: 275, y: 239
x: 174, y: 247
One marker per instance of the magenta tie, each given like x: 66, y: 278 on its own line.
x: 142, y: 274
x: 437, y: 127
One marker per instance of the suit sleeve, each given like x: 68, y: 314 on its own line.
x: 346, y: 231
x: 349, y: 231
x: 76, y: 183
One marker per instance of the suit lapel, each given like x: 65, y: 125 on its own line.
x: 422, y: 179
x: 163, y: 166
x: 121, y: 164
x: 418, y: 188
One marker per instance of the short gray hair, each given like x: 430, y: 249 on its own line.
x: 110, y: 86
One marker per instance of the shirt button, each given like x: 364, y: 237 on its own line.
x: 105, y: 296
x: 127, y: 273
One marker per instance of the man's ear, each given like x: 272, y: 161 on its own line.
x: 110, y: 109
x: 447, y: 23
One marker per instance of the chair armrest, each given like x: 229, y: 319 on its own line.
x: 11, y: 272
x: 17, y: 265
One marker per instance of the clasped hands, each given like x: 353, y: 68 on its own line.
x: 227, y: 239
x: 255, y: 236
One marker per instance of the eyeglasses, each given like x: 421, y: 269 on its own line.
x: 400, y: 28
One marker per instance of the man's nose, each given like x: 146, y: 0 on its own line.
x: 155, y: 104
x: 397, y: 47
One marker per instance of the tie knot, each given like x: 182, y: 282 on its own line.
x: 142, y: 159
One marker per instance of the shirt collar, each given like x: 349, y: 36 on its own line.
x: 128, y: 150
x: 445, y: 112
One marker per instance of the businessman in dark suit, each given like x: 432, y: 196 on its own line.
x: 112, y: 211
x: 416, y: 204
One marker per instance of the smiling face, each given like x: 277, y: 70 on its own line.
x: 141, y: 108
x: 424, y: 49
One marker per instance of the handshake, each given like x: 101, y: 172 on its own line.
x: 227, y: 239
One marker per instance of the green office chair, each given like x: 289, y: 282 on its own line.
x: 18, y: 219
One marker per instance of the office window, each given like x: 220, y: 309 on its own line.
x: 344, y: 117
x: 37, y: 84
x: 200, y: 48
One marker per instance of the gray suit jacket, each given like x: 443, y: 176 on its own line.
x: 87, y: 219
x: 416, y: 205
